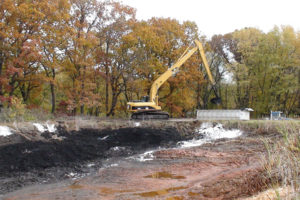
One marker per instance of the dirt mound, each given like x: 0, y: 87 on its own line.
x: 27, y: 161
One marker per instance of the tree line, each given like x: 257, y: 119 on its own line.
x: 90, y: 57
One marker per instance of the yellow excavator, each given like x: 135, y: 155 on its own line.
x: 148, y: 107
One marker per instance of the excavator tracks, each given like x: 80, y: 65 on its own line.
x: 149, y: 115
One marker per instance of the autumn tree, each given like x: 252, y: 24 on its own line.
x: 111, y: 56
x: 22, y: 29
x: 80, y: 53
x: 54, y: 40
x: 18, y: 47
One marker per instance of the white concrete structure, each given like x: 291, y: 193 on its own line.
x: 224, y: 114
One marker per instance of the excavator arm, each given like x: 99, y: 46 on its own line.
x: 167, y: 74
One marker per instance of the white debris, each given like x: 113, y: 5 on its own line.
x: 51, y: 128
x: 104, y: 138
x: 217, y: 131
x: 148, y: 155
x: 90, y: 164
x: 26, y: 151
x: 42, y: 128
x: 137, y: 124
x: 5, y: 131
x: 116, y: 148
x: 105, y: 166
x: 71, y: 174
x: 210, y: 134
x: 39, y: 127
x: 192, y: 143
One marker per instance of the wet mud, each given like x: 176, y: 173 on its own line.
x: 30, y: 162
x: 93, y: 163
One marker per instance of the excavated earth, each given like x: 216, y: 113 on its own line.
x: 106, y: 160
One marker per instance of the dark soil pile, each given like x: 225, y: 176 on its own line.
x: 28, y: 162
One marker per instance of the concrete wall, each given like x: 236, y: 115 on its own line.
x: 223, y: 115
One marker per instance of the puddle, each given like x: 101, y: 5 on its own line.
x: 175, y: 198
x: 160, y: 175
x: 193, y: 194
x: 160, y: 192
x: 153, y: 193
x: 108, y: 191
x: 76, y: 186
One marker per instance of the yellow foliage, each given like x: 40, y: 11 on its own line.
x: 17, y: 108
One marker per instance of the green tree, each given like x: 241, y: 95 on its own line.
x: 264, y: 68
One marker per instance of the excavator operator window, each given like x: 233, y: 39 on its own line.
x: 145, y: 99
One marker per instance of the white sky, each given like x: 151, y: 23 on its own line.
x: 223, y: 16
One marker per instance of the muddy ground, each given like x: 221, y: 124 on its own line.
x: 97, y: 160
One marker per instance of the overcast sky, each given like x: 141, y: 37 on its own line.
x: 223, y: 16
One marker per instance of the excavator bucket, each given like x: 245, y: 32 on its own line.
x: 216, y: 100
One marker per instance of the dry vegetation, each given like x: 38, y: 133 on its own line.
x: 282, y: 163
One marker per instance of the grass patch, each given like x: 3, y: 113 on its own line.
x: 24, y: 115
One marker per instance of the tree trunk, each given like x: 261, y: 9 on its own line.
x: 23, y: 93
x: 1, y: 65
x: 113, y: 104
x: 226, y: 97
x: 97, y: 111
x: 12, y: 84
x: 52, y: 97
x: 198, y: 96
x: 106, y: 91
x: 299, y: 89
x: 82, y: 109
x: 74, y: 111
x: 106, y: 78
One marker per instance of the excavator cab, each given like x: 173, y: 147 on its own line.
x: 145, y: 99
